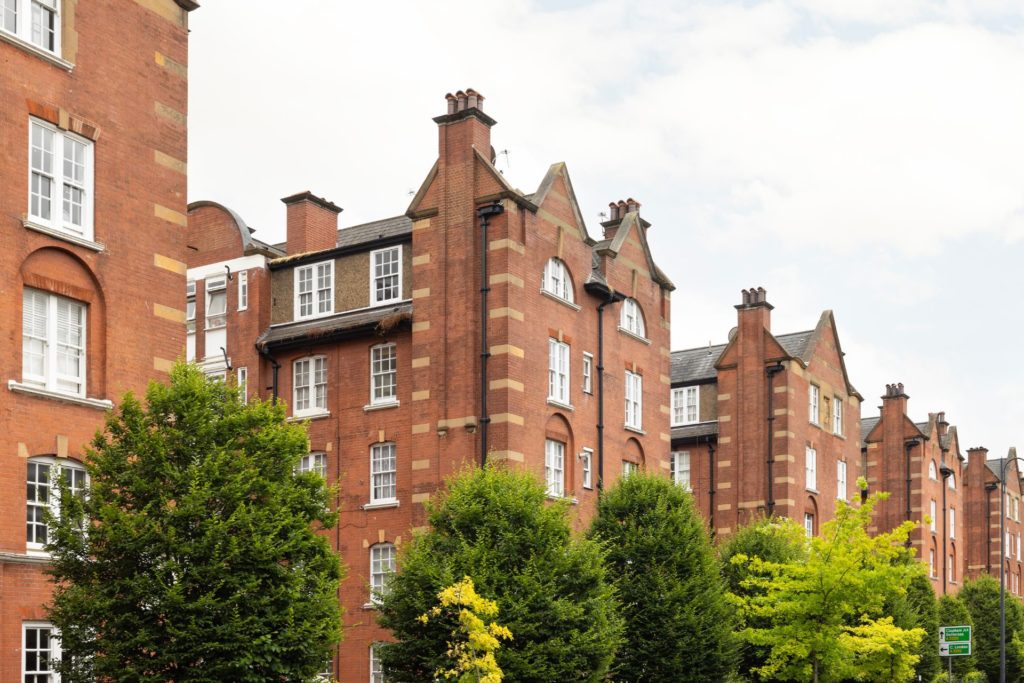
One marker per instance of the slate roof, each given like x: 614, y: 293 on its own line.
x: 355, y: 235
x: 866, y: 425
x: 695, y: 430
x: 283, y: 334
x: 698, y: 365
x: 797, y: 344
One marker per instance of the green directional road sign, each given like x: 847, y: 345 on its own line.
x: 954, y: 634
x: 954, y: 649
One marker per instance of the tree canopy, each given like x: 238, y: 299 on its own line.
x: 200, y: 558
x: 552, y: 591
x: 981, y: 597
x: 679, y: 626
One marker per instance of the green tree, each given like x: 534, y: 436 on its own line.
x: 201, y: 560
x: 497, y: 527
x: 919, y: 608
x: 953, y: 612
x: 981, y: 597
x: 825, y: 617
x: 770, y: 540
x: 669, y: 582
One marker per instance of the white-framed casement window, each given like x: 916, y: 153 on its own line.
x: 586, y: 465
x: 809, y: 524
x: 309, y: 386
x: 634, y: 400
x: 841, y: 491
x: 60, y: 180
x: 949, y: 569
x: 554, y: 467
x: 216, y: 303
x: 243, y: 290
x: 190, y: 320
x: 685, y: 405
x: 43, y: 493
x: 383, y: 374
x: 382, y: 566
x: 558, y: 371
x: 837, y: 415
x: 811, y: 469
x: 313, y: 462
x: 588, y: 373
x: 952, y: 482
x: 557, y: 280
x: 931, y: 564
x: 631, y: 318
x: 813, y: 398
x: 34, y: 21
x: 679, y: 470
x: 933, y: 513
x: 53, y: 342
x: 242, y: 382
x: 629, y: 468
x: 376, y: 668
x: 314, y: 290
x: 952, y: 523
x: 933, y: 471
x: 40, y: 647
x: 383, y: 474
x: 386, y: 275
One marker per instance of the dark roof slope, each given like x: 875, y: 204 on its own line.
x: 796, y: 343
x: 695, y: 430
x: 354, y: 235
x: 698, y: 365
x: 866, y: 425
x: 334, y: 326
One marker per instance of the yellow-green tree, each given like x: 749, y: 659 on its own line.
x: 823, y: 618
x: 474, y: 640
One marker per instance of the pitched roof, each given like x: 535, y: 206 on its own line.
x: 365, y: 233
x: 695, y: 430
x: 698, y: 365
x: 334, y: 326
x: 866, y: 425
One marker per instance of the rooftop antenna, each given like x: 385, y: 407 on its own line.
x: 602, y: 215
x: 508, y: 162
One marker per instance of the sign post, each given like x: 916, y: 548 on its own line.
x: 954, y: 641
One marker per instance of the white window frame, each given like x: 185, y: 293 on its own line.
x: 554, y: 468
x: 190, y: 307
x: 383, y: 473
x: 376, y: 668
x: 588, y: 373
x: 316, y: 403
x: 586, y: 466
x: 374, y: 277
x: 933, y: 471
x: 952, y: 523
x: 680, y: 463
x: 58, y: 182
x: 46, y: 496
x: 952, y: 481
x: 242, y: 382
x: 811, y: 469
x: 1018, y: 546
x: 557, y: 280
x: 321, y: 297
x: 51, y: 378
x: 216, y: 286
x: 931, y: 563
x: 837, y: 416
x: 842, y: 492
x: 629, y: 468
x: 634, y: 394
x: 685, y: 405
x: 54, y: 651
x: 933, y: 512
x: 631, y: 318
x: 558, y: 371
x: 315, y: 461
x: 813, y: 403
x: 243, y: 290
x: 382, y: 377
x: 383, y: 562
x: 949, y: 568
x: 809, y: 524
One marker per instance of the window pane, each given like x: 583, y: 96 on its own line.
x: 383, y: 473
x: 554, y: 467
x: 44, y: 27
x: 383, y: 370
x: 386, y: 275
x: 9, y: 15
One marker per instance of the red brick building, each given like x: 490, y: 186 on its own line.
x: 93, y: 108
x: 484, y: 322
x: 982, y: 501
x: 765, y: 424
x: 919, y: 464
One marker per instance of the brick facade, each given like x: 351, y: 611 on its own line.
x: 113, y: 86
x: 983, y: 506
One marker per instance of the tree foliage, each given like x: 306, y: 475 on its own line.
x: 497, y: 527
x: 919, y: 608
x: 679, y: 626
x: 981, y: 597
x: 201, y: 560
x: 823, y: 619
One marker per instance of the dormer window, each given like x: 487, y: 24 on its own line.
x: 632, y: 319
x: 314, y: 290
x: 386, y: 275
x: 557, y: 280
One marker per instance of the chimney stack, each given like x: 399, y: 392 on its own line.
x: 616, y: 212
x: 312, y: 223
x: 754, y: 313
x: 463, y: 128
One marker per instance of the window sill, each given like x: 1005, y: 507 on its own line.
x: 38, y: 553
x: 810, y: 490
x: 564, y: 302
x: 572, y: 501
x: 98, y: 403
x: 635, y: 430
x: 309, y: 416
x: 37, y: 51
x: 63, y: 235
x: 381, y: 406
x: 370, y: 605
x: 559, y: 404
x: 306, y: 318
x: 382, y: 505
x: 634, y: 335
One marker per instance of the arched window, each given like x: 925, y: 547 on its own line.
x: 42, y: 494
x: 382, y: 566
x: 952, y: 481
x: 557, y: 280
x: 632, y: 318
x: 933, y: 472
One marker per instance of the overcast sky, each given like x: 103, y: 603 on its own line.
x: 862, y: 156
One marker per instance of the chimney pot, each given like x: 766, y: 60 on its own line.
x: 613, y: 211
x: 451, y: 103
